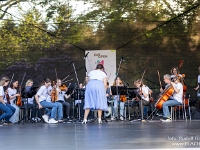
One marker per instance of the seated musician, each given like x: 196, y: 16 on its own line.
x: 59, y: 110
x: 7, y: 109
x: 79, y: 99
x: 142, y: 93
x: 29, y: 91
x: 175, y: 99
x: 41, y: 99
x: 118, y: 82
x: 12, y: 92
x: 61, y: 98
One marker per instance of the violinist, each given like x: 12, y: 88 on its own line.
x: 86, y: 81
x: 175, y: 99
x: 12, y: 92
x: 7, y: 109
x: 59, y: 110
x: 29, y: 91
x: 79, y: 99
x: 41, y: 99
x: 118, y: 82
x: 143, y: 92
x: 62, y: 96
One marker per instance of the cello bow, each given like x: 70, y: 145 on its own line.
x: 159, y: 79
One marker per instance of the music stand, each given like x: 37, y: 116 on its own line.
x: 27, y: 93
x: 119, y: 90
x: 79, y: 95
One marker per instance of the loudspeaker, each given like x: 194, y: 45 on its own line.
x: 195, y: 113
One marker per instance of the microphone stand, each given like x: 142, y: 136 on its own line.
x: 79, y: 118
x: 86, y: 57
x: 117, y: 90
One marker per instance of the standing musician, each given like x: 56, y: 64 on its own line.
x: 175, y: 99
x: 118, y: 82
x: 142, y: 94
x: 175, y: 73
x: 198, y: 86
x: 61, y: 90
x: 12, y: 92
x: 7, y: 109
x: 41, y: 99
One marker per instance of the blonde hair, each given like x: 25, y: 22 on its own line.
x: 28, y: 81
x: 4, y: 80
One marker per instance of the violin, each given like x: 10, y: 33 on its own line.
x: 63, y: 87
x: 54, y: 94
x: 7, y: 96
x: 19, y: 98
x: 123, y: 98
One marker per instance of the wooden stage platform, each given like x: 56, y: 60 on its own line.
x: 116, y: 135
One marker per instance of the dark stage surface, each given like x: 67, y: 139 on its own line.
x: 111, y: 135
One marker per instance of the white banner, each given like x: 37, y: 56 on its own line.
x: 105, y: 57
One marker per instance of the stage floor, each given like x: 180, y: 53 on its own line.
x: 106, y: 136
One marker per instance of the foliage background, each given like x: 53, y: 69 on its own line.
x: 149, y: 34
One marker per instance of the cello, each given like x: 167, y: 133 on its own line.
x: 165, y: 94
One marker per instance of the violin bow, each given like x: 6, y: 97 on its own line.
x: 143, y: 75
x: 23, y: 79
x: 159, y: 79
x: 65, y: 78
x: 11, y: 79
x: 68, y: 80
x: 56, y: 73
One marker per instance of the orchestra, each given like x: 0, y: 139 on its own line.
x: 54, y: 98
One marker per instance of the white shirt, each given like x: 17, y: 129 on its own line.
x: 146, y: 91
x: 97, y: 74
x: 199, y: 79
x: 2, y: 91
x: 61, y: 95
x: 49, y: 96
x: 178, y: 96
x: 12, y: 92
x: 172, y: 76
x: 3, y: 94
x: 42, y: 93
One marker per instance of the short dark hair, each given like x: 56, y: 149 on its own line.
x: 99, y: 66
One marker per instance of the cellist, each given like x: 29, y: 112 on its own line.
x: 175, y: 99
